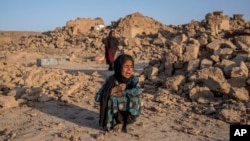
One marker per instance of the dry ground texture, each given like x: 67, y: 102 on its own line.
x: 195, y: 79
x: 44, y: 113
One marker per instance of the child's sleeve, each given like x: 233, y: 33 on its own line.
x: 136, y: 88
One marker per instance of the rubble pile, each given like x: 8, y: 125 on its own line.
x: 25, y: 85
x: 205, y: 66
x: 205, y: 62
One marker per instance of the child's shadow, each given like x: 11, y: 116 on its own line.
x: 69, y: 112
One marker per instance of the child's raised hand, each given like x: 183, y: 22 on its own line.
x: 115, y: 91
x: 123, y: 86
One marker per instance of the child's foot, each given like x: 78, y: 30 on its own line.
x: 124, y: 129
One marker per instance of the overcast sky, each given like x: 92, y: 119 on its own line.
x: 44, y: 15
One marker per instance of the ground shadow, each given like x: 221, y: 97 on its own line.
x: 70, y: 112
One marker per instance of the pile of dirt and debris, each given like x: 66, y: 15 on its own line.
x: 196, y: 81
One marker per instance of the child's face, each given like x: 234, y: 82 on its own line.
x: 127, y: 69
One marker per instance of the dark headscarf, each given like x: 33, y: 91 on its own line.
x: 120, y: 60
x: 105, y: 95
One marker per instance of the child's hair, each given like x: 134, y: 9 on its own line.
x: 119, y: 61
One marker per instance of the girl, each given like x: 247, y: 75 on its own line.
x: 119, y: 96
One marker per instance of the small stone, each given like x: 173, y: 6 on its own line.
x: 100, y: 137
x: 210, y: 110
x: 193, y: 131
x: 203, y: 100
x: 12, y: 135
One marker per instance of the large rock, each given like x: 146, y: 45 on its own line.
x: 177, y: 50
x: 206, y: 63
x: 179, y: 39
x: 220, y: 44
x: 193, y: 65
x: 234, y: 69
x: 200, y: 92
x: 241, y: 71
x: 243, y: 42
x: 230, y: 115
x: 169, y: 58
x: 213, y: 78
x: 191, y: 51
x: 240, y: 94
x: 173, y: 83
x: 7, y: 102
x: 227, y: 66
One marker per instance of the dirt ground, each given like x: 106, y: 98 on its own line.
x: 78, y: 120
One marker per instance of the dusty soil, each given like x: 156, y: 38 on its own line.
x: 78, y: 120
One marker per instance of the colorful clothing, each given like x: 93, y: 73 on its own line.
x: 129, y: 102
x: 111, y: 46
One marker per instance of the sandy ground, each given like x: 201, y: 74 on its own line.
x: 78, y: 121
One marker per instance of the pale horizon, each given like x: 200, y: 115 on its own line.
x: 30, y: 15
